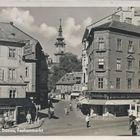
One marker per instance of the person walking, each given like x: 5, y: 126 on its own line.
x: 70, y: 107
x: 134, y: 127
x: 28, y: 117
x: 87, y: 120
x: 66, y: 110
x: 91, y: 112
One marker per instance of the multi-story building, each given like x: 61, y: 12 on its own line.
x: 36, y: 73
x: 84, y: 67
x: 23, y: 71
x: 70, y: 82
x: 113, y: 66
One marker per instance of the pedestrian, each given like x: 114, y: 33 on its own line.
x: 66, y: 110
x: 28, y: 117
x: 91, y: 112
x: 78, y: 106
x: 87, y: 121
x: 70, y: 107
x: 134, y: 127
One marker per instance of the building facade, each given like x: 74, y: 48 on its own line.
x: 113, y: 67
x: 84, y: 67
x: 22, y: 67
x: 70, y: 82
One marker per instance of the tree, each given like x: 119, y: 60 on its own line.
x: 68, y: 63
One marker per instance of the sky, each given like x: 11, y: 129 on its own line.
x: 42, y: 23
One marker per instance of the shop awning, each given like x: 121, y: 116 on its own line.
x: 13, y: 102
x: 75, y: 94
x: 93, y: 102
x: 106, y: 102
x: 119, y: 102
x: 97, y: 102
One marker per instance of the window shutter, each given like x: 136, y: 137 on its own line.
x: 1, y: 74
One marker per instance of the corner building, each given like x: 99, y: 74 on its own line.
x: 113, y: 67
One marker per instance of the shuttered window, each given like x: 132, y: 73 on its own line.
x: 1, y: 74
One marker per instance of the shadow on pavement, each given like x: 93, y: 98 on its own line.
x: 55, y: 100
x: 42, y: 115
x: 55, y: 117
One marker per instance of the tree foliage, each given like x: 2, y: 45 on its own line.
x: 68, y: 63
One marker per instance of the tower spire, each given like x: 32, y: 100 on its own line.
x: 60, y: 28
x: 60, y: 43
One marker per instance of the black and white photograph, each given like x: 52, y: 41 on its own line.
x: 70, y: 70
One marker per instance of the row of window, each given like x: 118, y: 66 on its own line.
x: 101, y: 45
x: 101, y: 63
x: 118, y: 83
x: 12, y: 73
x: 12, y: 93
x: 12, y: 52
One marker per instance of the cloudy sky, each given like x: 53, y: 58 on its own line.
x: 43, y: 23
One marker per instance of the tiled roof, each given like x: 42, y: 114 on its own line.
x: 70, y: 78
x: 9, y: 32
x: 121, y: 26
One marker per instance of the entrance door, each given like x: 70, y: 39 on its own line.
x: 100, y: 110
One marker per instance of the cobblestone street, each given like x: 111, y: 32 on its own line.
x: 74, y: 125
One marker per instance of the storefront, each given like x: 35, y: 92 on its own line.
x: 75, y: 95
x: 16, y: 109
x: 106, y: 107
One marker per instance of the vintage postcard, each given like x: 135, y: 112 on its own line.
x: 69, y: 68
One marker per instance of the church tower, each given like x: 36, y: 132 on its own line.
x: 60, y: 45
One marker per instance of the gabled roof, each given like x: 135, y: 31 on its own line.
x: 9, y: 32
x: 70, y: 78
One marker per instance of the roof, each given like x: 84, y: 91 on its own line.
x: 70, y: 78
x: 12, y: 102
x: 118, y: 26
x: 8, y: 31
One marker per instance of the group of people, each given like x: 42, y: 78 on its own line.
x: 7, y: 120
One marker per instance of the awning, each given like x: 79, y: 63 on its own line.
x: 75, y: 94
x: 119, y: 102
x: 106, y: 102
x: 83, y: 101
x: 97, y: 102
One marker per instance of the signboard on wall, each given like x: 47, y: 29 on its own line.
x: 27, y: 49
